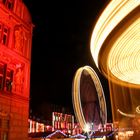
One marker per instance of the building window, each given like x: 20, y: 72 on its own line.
x: 9, y: 80
x: 5, y: 36
x: 9, y: 4
x: 6, y: 77
x: 4, y: 128
x: 2, y: 73
x: 4, y: 2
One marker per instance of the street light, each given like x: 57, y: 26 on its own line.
x: 87, y: 130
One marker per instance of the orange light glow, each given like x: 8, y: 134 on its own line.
x: 124, y: 56
x: 111, y: 16
x: 115, y: 48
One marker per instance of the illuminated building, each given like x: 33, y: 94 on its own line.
x: 115, y: 47
x: 15, y: 58
x: 60, y: 121
x: 64, y: 122
x: 35, y: 127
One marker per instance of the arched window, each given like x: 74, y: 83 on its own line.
x: 9, y: 4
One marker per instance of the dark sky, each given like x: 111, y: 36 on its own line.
x: 60, y: 45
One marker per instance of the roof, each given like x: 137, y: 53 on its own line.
x: 57, y: 134
x: 101, y: 134
x: 78, y: 136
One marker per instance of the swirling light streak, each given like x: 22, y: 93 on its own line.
x: 137, y: 113
x: 126, y: 114
x: 76, y: 99
x: 109, y: 19
x: 138, y: 109
x: 124, y: 56
x: 76, y: 96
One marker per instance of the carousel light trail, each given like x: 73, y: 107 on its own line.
x: 123, y: 58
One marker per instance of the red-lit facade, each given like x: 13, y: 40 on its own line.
x: 15, y: 58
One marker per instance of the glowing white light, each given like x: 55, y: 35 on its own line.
x: 87, y: 127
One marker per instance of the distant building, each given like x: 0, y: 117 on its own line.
x: 15, y: 58
x: 60, y: 121
x: 64, y: 122
x: 37, y: 126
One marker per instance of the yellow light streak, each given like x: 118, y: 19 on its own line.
x: 126, y: 114
x: 124, y: 56
x: 109, y: 19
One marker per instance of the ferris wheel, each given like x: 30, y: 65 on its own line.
x: 88, y: 99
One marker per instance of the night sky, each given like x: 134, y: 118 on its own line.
x: 60, y: 45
